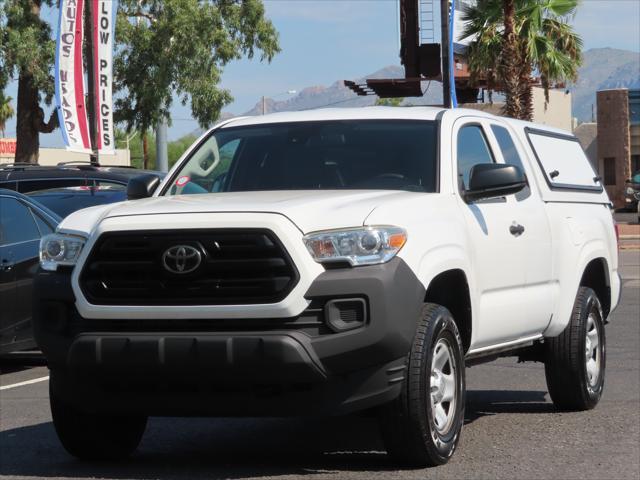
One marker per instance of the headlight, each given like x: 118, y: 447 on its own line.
x: 58, y: 249
x: 630, y: 191
x: 358, y: 246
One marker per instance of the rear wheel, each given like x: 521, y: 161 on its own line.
x: 91, y: 436
x: 422, y: 426
x: 575, y: 360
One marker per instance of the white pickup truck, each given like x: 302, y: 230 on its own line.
x: 326, y: 262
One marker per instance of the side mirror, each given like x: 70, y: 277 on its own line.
x: 491, y: 180
x: 142, y: 186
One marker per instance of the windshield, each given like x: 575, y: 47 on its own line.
x: 355, y: 154
x: 636, y: 177
x: 65, y: 201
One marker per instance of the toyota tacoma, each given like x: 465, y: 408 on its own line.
x: 326, y: 262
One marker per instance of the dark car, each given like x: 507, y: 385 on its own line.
x: 25, y: 178
x: 22, y: 222
x: 632, y: 192
x: 67, y: 200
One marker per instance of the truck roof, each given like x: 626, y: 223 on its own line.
x: 375, y: 113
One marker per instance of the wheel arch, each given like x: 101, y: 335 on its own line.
x: 451, y: 290
x: 596, y: 276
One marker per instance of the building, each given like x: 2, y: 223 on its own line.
x: 557, y: 113
x: 587, y: 134
x: 618, y: 139
x: 54, y: 156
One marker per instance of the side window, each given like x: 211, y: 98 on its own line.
x: 563, y: 161
x: 510, y: 155
x: 108, y: 185
x: 16, y: 222
x: 43, y: 226
x: 473, y: 149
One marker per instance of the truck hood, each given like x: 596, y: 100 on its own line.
x: 308, y: 210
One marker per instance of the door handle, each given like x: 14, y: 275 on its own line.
x: 6, y: 265
x: 516, y: 229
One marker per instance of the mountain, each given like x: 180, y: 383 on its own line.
x: 602, y: 68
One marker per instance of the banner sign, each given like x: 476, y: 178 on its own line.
x: 69, y: 77
x: 7, y: 148
x: 103, y: 20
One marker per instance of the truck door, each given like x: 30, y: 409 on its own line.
x: 498, y: 254
x: 536, y: 238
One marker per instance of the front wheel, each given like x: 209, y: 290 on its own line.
x: 422, y: 426
x: 575, y: 360
x: 91, y: 436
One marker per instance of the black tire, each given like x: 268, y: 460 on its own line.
x: 570, y: 386
x: 90, y: 436
x: 408, y: 427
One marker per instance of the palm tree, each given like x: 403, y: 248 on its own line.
x: 6, y: 111
x: 540, y: 42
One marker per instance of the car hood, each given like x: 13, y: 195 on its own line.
x: 308, y: 210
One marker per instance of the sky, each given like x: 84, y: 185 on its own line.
x: 324, y: 41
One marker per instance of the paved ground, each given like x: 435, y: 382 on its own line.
x: 511, y: 431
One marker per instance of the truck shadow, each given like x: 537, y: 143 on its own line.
x: 482, y: 403
x: 191, y: 448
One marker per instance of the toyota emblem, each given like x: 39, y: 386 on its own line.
x: 181, y: 259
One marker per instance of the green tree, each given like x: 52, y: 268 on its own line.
x: 175, y: 50
x: 166, y: 51
x: 6, y: 111
x: 175, y: 149
x: 389, y: 102
x: 27, y: 53
x: 515, y: 39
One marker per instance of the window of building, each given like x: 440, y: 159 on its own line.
x: 609, y: 171
x: 635, y: 164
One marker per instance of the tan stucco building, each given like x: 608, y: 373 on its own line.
x: 557, y: 113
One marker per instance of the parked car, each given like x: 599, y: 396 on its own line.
x: 348, y: 259
x: 22, y: 223
x: 66, y: 200
x: 632, y: 192
x: 15, y: 331
x: 25, y: 178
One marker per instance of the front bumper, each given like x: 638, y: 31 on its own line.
x: 282, y: 366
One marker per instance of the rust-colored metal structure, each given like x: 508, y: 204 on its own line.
x: 423, y: 59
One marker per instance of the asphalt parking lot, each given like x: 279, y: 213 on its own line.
x: 512, y: 430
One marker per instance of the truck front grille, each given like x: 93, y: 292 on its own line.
x: 231, y: 267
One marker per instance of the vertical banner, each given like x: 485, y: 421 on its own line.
x: 103, y: 23
x: 69, y: 77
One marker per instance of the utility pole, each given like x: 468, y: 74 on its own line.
x: 446, y: 67
x: 91, y: 84
x: 264, y: 105
x: 162, y: 158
